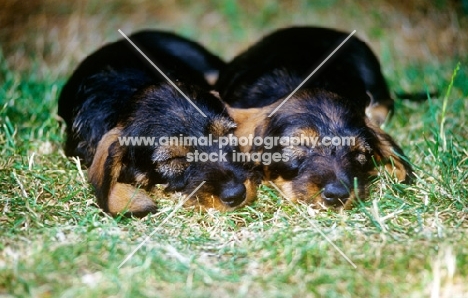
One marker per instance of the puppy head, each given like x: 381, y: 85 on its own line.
x: 329, y: 150
x: 190, y: 161
x: 321, y: 172
x: 183, y: 151
x: 199, y: 152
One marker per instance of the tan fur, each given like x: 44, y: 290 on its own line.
x: 250, y: 121
x: 305, y: 131
x: 300, y: 150
x: 141, y: 179
x: 167, y: 161
x: 122, y: 197
x: 205, y: 202
x: 221, y: 126
x: 295, y: 152
x: 377, y: 113
x: 393, y: 164
x: 251, y: 192
x: 285, y: 187
x: 170, y: 151
x: 97, y: 170
x: 127, y: 198
x: 288, y: 189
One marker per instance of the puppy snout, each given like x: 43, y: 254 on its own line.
x: 233, y: 194
x: 335, y: 194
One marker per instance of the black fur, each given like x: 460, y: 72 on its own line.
x: 347, y: 97
x: 277, y: 64
x: 116, y: 93
x: 97, y: 88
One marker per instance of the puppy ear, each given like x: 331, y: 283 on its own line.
x: 114, y: 197
x: 392, y: 156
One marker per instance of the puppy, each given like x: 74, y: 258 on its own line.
x: 115, y: 95
x: 346, y: 99
x: 173, y: 54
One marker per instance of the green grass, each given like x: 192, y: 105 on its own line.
x: 406, y: 241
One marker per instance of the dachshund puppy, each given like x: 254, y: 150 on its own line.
x: 173, y: 54
x: 115, y: 99
x: 328, y: 139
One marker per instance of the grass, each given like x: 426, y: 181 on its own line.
x: 406, y: 241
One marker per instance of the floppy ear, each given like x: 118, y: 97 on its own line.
x: 112, y: 196
x: 391, y: 155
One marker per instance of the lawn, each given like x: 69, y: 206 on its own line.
x: 403, y: 241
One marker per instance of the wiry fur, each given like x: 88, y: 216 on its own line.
x: 347, y: 97
x: 115, y: 94
x: 96, y: 87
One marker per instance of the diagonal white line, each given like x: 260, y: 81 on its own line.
x: 315, y: 226
x: 161, y: 72
x: 182, y: 202
x: 312, y: 73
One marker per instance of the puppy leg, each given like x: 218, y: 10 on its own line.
x: 112, y: 196
x: 129, y: 199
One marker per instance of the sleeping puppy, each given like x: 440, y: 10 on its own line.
x: 114, y: 95
x: 328, y: 139
x: 173, y: 54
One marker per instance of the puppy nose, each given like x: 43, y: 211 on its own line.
x: 335, y: 194
x: 233, y: 194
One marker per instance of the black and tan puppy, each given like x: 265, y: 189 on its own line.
x: 115, y: 95
x: 344, y: 102
x: 89, y: 93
